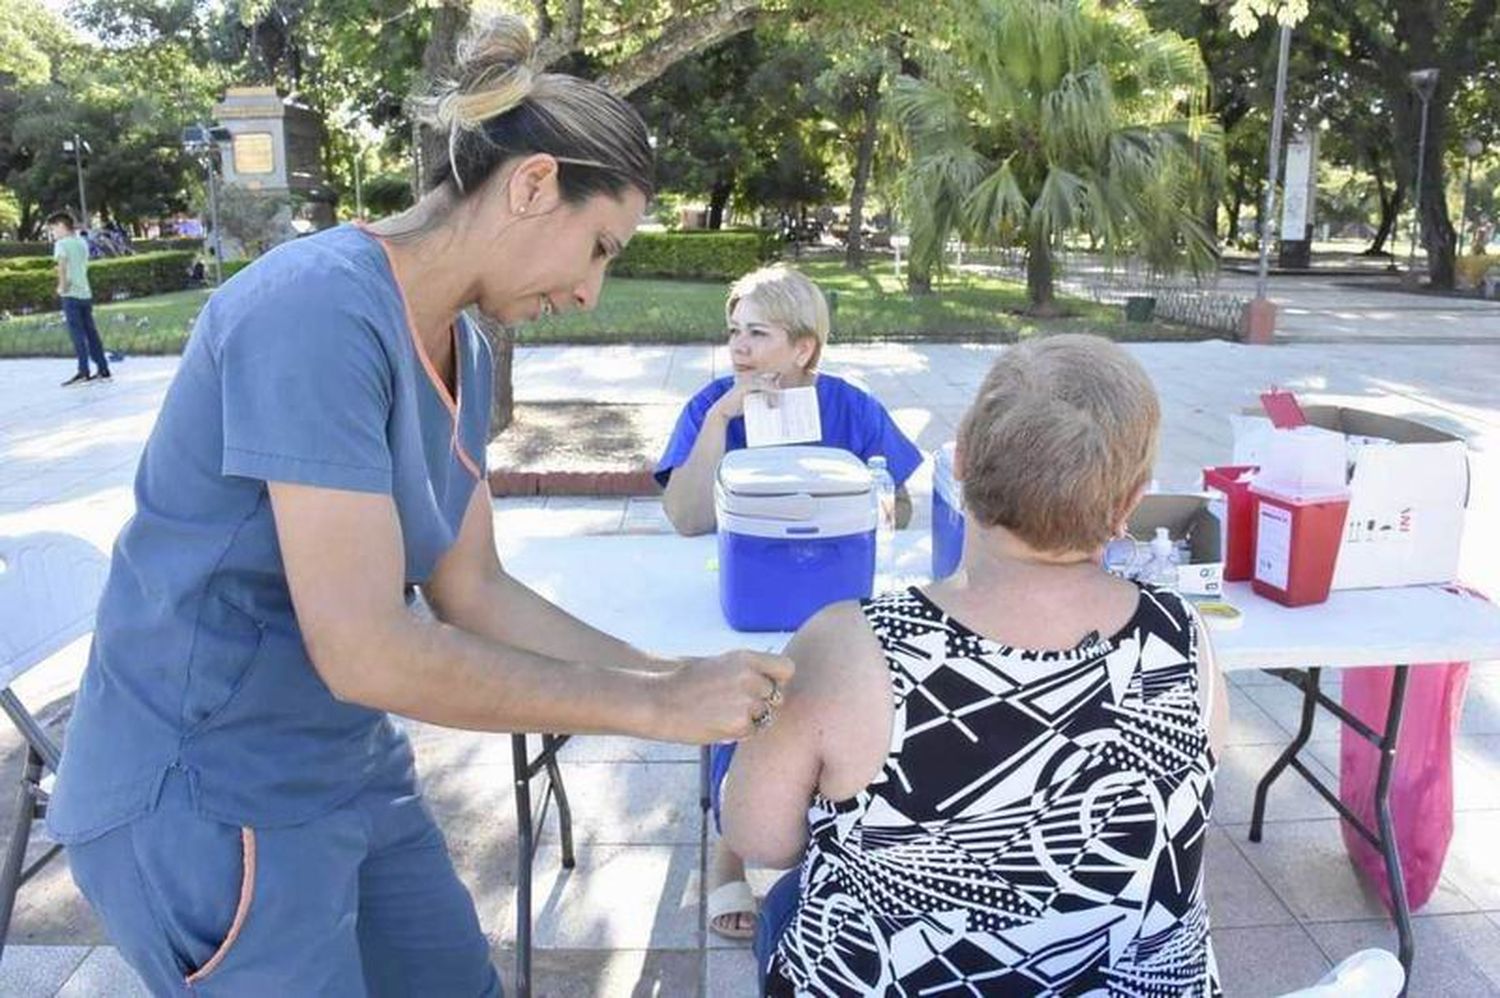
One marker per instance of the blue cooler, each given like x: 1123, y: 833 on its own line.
x: 796, y: 533
x: 947, y: 516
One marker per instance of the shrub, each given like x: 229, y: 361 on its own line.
x: 15, y: 263
x: 126, y: 276
x: 10, y: 247
x: 232, y: 267
x: 159, y: 245
x: 720, y: 256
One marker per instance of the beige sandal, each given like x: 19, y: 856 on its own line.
x: 733, y: 898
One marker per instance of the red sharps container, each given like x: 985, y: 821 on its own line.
x: 1297, y: 541
x: 1238, y: 517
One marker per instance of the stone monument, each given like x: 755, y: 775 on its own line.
x: 276, y: 147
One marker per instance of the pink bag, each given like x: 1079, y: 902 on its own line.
x: 1421, y: 794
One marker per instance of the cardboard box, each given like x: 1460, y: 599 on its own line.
x: 1186, y: 516
x: 1407, y: 499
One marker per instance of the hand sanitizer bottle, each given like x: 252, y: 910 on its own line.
x: 1161, y: 567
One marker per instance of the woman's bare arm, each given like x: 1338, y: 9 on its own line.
x: 830, y: 737
x: 345, y: 566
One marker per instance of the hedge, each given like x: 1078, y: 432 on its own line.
x: 126, y: 276
x: 15, y: 263
x: 158, y: 245
x: 11, y: 248
x: 720, y: 256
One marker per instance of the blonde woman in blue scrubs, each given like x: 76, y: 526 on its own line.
x: 237, y: 803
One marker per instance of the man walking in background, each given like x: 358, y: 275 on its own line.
x: 71, y: 252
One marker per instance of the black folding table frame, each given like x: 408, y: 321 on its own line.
x: 526, y: 768
x: 1383, y: 837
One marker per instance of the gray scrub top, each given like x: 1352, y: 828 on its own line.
x: 304, y: 368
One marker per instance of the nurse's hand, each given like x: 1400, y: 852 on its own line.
x: 720, y: 699
x: 732, y: 403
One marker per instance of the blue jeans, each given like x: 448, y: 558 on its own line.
x: 79, y: 313
x: 361, y: 901
x: 775, y: 915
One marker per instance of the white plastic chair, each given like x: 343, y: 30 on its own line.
x: 49, y: 588
x: 1370, y: 973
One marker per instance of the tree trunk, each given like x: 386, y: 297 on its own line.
x: 1235, y: 207
x: 1390, y: 208
x: 918, y: 282
x: 685, y: 37
x: 1438, y: 237
x: 503, y: 348
x: 854, y: 254
x: 718, y: 200
x: 448, y: 22
x: 1039, y: 275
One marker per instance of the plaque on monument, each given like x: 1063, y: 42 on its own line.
x: 254, y: 152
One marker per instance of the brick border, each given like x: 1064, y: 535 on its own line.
x: 638, y: 482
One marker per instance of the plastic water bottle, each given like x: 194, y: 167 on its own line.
x: 884, y: 490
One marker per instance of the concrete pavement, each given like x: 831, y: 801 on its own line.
x: 624, y: 922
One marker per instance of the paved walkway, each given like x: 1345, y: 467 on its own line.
x: 624, y: 923
x: 1370, y: 311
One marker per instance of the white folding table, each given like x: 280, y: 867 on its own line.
x: 661, y: 593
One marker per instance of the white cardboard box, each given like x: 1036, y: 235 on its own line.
x: 1407, y: 499
x: 1186, y: 516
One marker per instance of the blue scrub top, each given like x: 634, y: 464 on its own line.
x: 304, y: 368
x: 853, y: 420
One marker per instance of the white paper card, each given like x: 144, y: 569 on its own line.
x: 794, y: 420
x: 1273, y: 546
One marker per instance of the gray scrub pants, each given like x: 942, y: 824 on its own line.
x: 361, y: 901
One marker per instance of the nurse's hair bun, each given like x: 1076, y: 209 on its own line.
x: 492, y: 75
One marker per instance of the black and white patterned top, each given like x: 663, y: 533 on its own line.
x: 1037, y: 829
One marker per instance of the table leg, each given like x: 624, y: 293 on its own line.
x: 1304, y: 732
x: 550, y: 746
x: 705, y: 762
x: 1383, y: 837
x: 1407, y: 950
x: 522, y: 783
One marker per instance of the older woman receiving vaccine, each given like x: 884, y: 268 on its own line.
x: 1000, y: 784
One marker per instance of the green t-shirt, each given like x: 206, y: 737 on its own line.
x: 74, y: 253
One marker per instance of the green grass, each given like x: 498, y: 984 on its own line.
x: 870, y: 305
x: 155, y: 325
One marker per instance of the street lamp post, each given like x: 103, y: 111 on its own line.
x: 204, y: 141
x: 1424, y: 82
x: 79, y: 148
x: 1278, y: 115
x: 1472, y: 149
x: 359, y: 194
x: 1259, y: 323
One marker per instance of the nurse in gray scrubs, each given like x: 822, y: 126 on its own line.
x: 238, y: 806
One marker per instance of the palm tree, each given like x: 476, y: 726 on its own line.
x: 1045, y: 117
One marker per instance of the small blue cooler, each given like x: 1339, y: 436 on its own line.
x: 947, y: 516
x: 796, y: 533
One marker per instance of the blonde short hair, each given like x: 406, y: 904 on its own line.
x: 1059, y: 440
x: 788, y: 299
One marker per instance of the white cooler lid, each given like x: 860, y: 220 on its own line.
x: 799, y: 470
x: 781, y: 491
